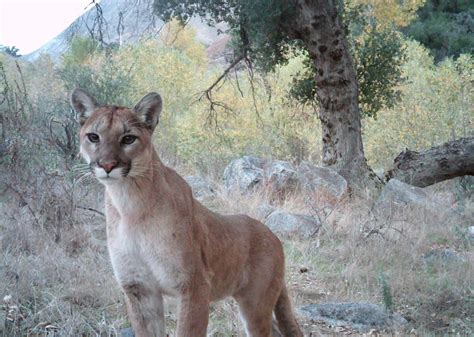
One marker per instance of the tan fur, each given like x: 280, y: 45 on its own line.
x: 164, y: 242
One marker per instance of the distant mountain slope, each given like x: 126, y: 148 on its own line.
x: 122, y: 21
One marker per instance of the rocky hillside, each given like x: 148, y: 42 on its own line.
x: 120, y: 22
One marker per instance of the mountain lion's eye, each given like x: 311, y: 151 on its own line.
x: 128, y: 139
x: 93, y: 137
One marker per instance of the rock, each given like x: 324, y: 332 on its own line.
x: 444, y: 193
x: 380, y: 173
x: 445, y: 199
x: 470, y: 232
x: 327, y: 187
x: 400, y: 193
x: 244, y: 174
x: 281, y: 177
x: 264, y: 210
x: 448, y: 193
x: 443, y: 255
x: 127, y: 332
x: 357, y: 316
x: 403, y: 202
x: 201, y: 188
x: 289, y: 224
x: 398, y: 197
x: 3, y: 319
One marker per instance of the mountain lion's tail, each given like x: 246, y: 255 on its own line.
x: 285, y: 317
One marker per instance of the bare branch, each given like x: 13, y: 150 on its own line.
x: 252, y: 88
x: 91, y: 209
x: 24, y: 202
x: 223, y: 75
x: 176, y: 35
x: 238, y: 83
x: 207, y: 94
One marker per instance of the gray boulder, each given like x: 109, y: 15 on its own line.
x: 3, y: 320
x: 451, y: 193
x: 281, y: 177
x: 357, y: 316
x: 264, y: 210
x: 326, y: 186
x: 397, y: 192
x: 127, y: 332
x: 380, y: 172
x: 287, y: 225
x: 398, y: 198
x: 443, y: 255
x: 244, y: 174
x: 403, y: 202
x: 201, y: 188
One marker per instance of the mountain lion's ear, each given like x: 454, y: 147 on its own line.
x: 149, y: 109
x: 83, y: 103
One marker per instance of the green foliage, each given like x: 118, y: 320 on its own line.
x: 87, y: 66
x: 303, y: 87
x: 280, y: 128
x: 390, y: 13
x: 258, y: 29
x: 378, y: 55
x: 378, y: 59
x: 12, y: 51
x: 22, y: 122
x: 81, y: 49
x: 446, y: 27
x: 436, y: 106
x: 256, y: 25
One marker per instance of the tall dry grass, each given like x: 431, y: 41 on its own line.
x: 66, y: 287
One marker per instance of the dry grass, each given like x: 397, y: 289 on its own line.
x: 63, y: 288
x: 67, y: 288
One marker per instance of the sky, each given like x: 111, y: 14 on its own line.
x: 28, y: 24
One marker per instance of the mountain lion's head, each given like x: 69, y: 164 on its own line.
x: 116, y: 141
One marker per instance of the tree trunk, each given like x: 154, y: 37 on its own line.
x: 452, y: 159
x: 320, y: 28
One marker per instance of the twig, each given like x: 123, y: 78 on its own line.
x: 23, y: 200
x: 168, y: 33
x: 238, y: 83
x: 213, y: 104
x: 252, y: 87
x: 220, y: 78
x: 91, y: 209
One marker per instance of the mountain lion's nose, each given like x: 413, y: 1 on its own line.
x: 108, y: 166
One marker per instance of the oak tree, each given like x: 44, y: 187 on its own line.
x: 265, y: 31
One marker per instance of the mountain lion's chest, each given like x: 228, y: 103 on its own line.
x: 150, y: 258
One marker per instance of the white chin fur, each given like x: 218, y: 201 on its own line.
x: 114, y: 175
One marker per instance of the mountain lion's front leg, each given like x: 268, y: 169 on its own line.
x: 194, y: 309
x: 145, y: 309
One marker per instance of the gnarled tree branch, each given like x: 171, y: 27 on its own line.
x: 452, y: 159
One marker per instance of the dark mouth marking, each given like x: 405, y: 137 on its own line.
x: 126, y: 170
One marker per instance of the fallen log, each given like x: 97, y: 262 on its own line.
x: 452, y: 159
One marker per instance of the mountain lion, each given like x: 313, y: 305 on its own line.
x: 164, y: 242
